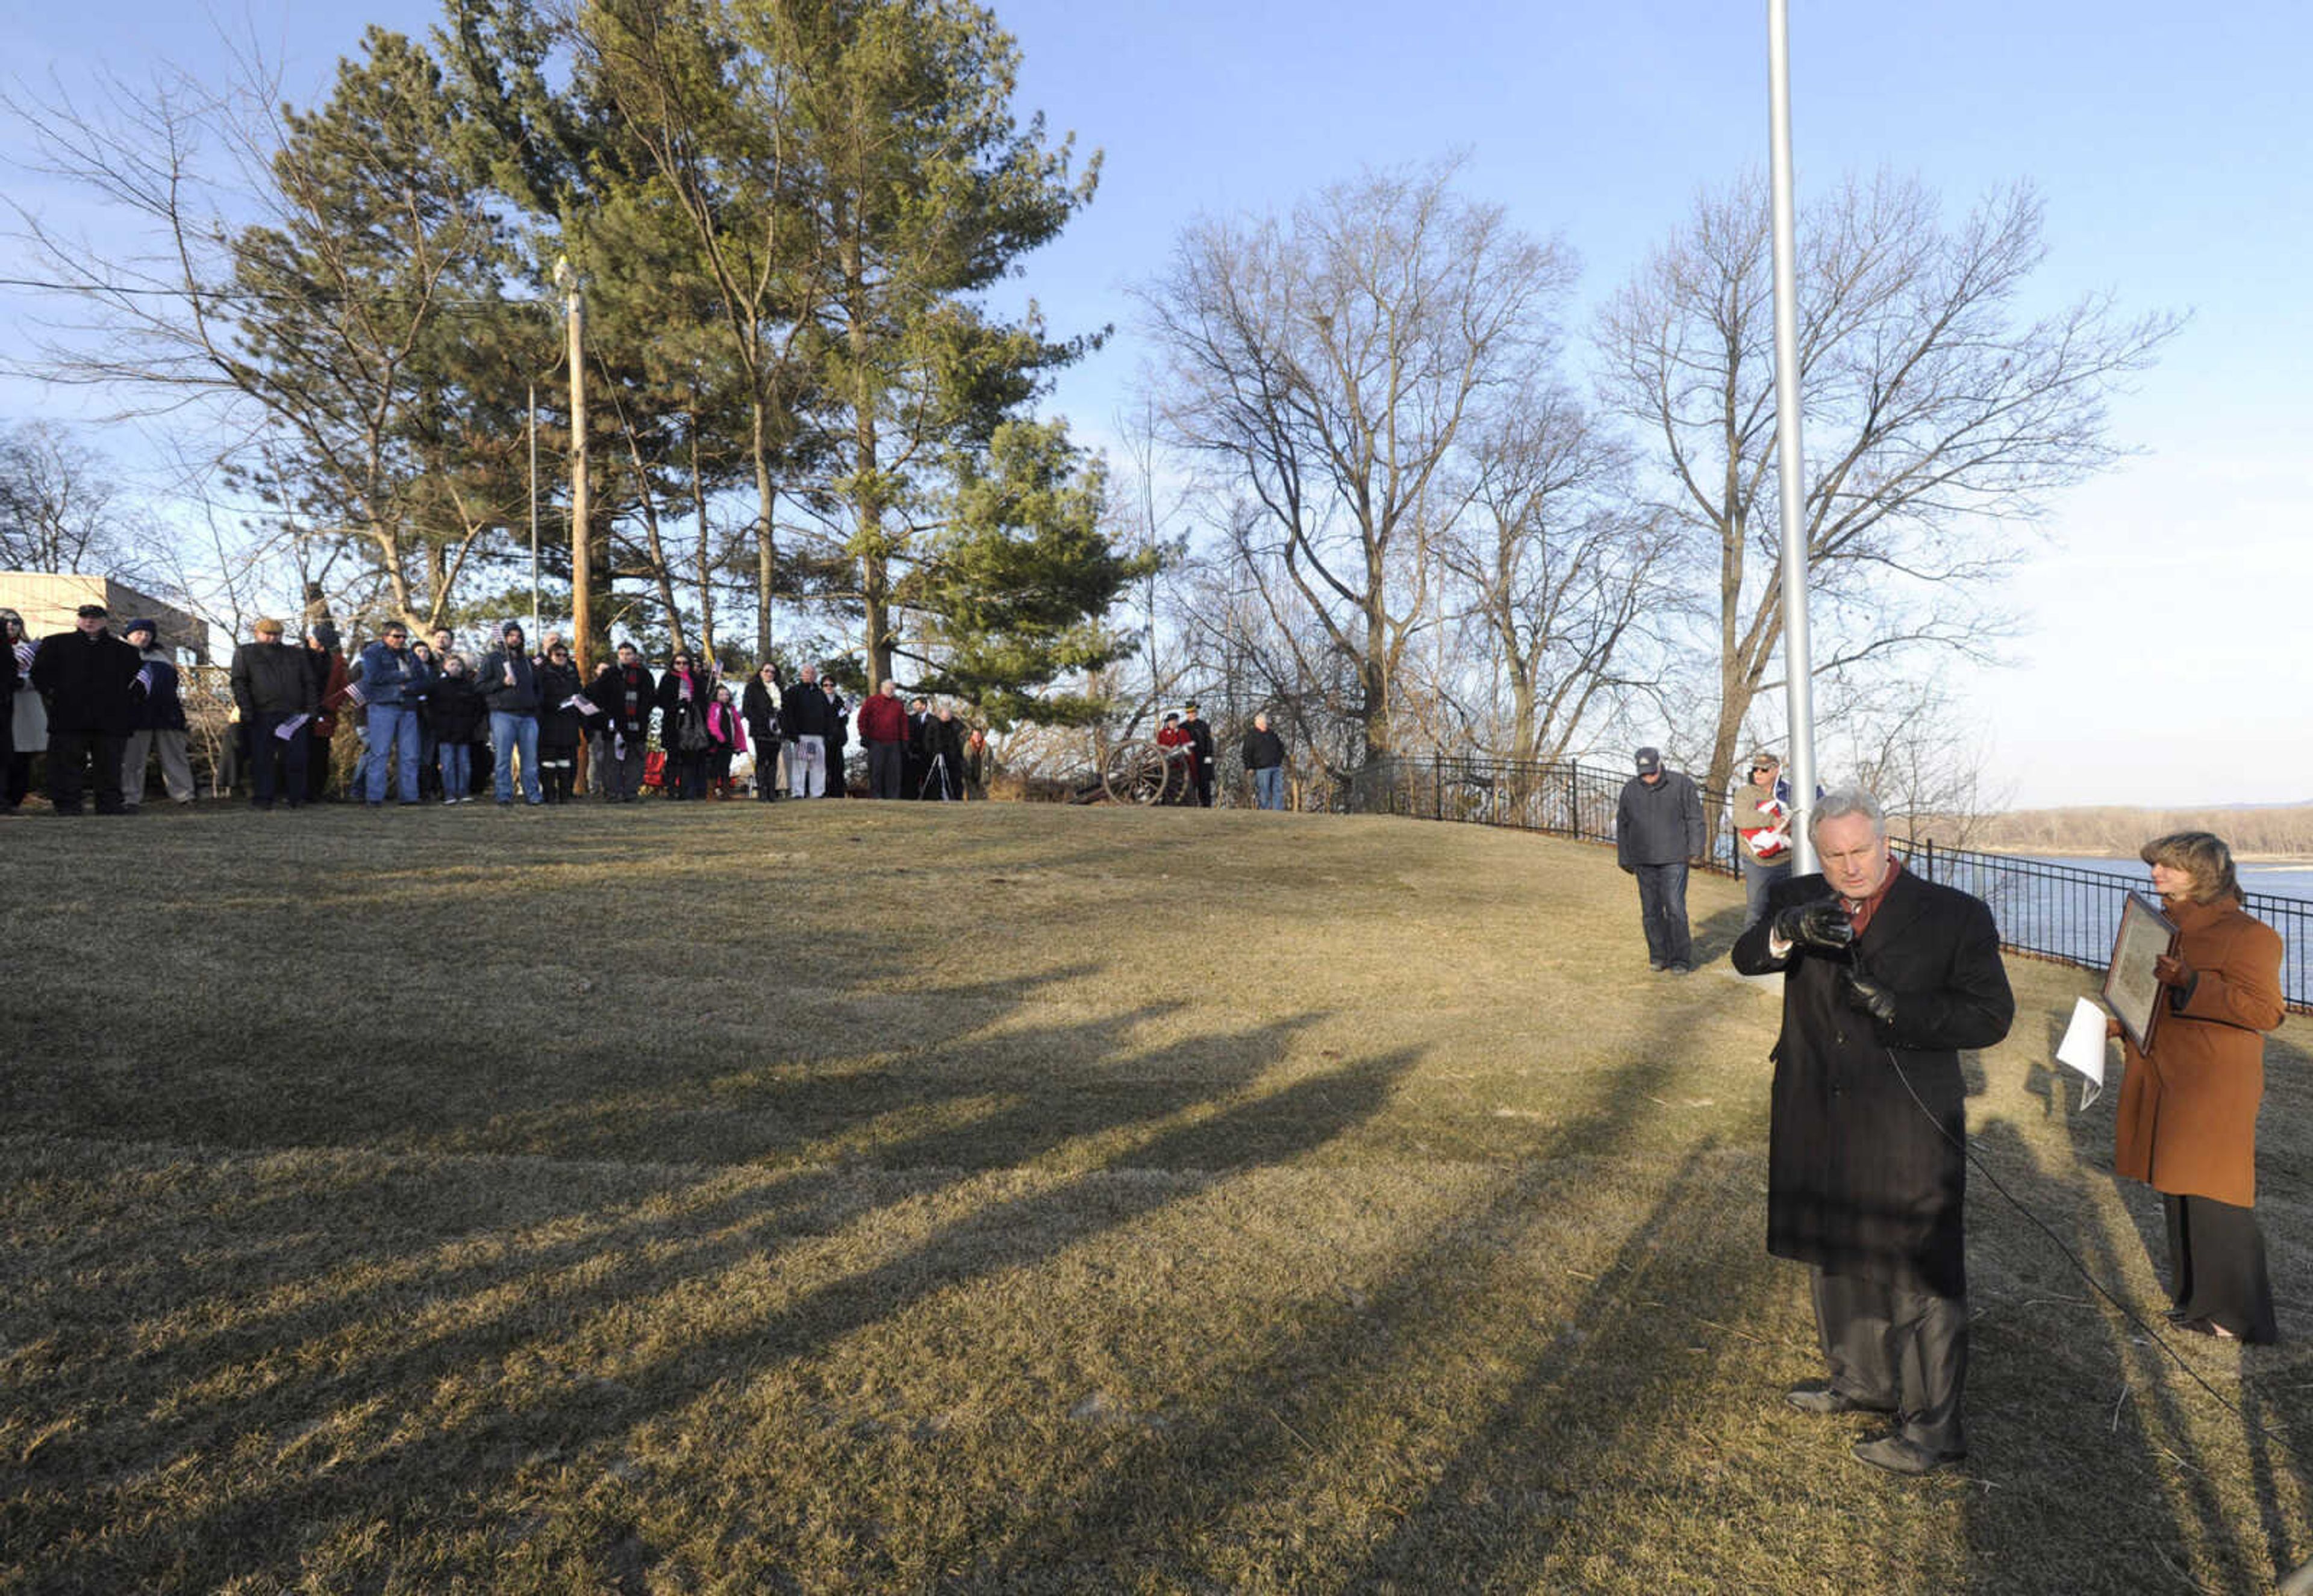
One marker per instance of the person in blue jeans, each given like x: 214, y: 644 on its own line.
x: 1264, y: 756
x: 393, y: 684
x: 455, y: 709
x: 1657, y: 830
x: 509, y: 682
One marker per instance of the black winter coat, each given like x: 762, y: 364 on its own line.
x: 1660, y: 824
x: 88, y: 683
x: 760, y: 707
x: 559, y: 727
x: 519, y: 697
x: 1866, y: 1173
x: 273, y: 678
x: 803, y: 711
x: 1264, y: 751
x: 161, y: 709
x: 1201, y: 738
x: 673, y: 713
x: 456, y: 710
x: 626, y: 695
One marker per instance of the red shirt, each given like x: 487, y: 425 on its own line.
x: 884, y: 719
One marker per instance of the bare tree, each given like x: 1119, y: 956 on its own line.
x: 349, y: 344
x: 1939, y: 417
x: 61, y: 508
x: 1562, y: 580
x: 1912, y: 745
x: 1327, y: 366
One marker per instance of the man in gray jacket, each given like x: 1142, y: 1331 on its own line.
x: 1657, y: 828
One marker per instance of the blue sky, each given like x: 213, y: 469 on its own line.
x: 2171, y: 147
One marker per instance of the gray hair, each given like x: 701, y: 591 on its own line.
x: 1841, y: 801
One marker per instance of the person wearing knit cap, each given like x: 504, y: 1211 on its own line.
x: 159, y: 727
x: 508, y: 680
x: 327, y: 661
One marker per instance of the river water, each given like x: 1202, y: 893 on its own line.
x: 2071, y: 909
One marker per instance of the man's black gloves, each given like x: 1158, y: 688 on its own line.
x: 1822, y: 926
x: 1871, y: 997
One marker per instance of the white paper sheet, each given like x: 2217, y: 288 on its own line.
x: 2083, y: 1047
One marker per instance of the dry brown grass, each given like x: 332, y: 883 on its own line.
x: 886, y: 1197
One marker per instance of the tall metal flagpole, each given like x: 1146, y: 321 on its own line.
x: 1797, y: 660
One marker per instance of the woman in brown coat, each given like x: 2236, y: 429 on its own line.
x: 2188, y: 1121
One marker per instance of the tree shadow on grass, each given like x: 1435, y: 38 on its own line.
x: 402, y: 1443
x: 1494, y: 1509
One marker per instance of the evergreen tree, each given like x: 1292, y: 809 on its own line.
x: 1014, y: 587
x: 366, y: 322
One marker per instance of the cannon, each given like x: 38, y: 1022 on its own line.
x: 1141, y: 770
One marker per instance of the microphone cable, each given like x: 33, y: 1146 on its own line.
x: 2162, y: 1342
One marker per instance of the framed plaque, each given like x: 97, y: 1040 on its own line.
x: 2130, y: 987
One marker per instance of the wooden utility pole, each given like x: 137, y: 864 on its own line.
x: 581, y: 562
x: 582, y: 541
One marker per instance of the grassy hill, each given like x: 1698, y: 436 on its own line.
x: 891, y: 1197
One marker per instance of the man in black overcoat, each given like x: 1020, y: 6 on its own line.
x: 89, y: 680
x: 1885, y: 977
x: 1200, y: 744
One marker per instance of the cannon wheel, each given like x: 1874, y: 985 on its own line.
x: 1137, y: 772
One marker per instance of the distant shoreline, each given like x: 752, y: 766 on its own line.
x: 2055, y: 853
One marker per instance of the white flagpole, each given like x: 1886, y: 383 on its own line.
x: 1798, y: 662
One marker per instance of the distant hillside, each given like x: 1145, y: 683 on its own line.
x: 2250, y: 828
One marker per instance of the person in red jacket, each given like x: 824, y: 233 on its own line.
x: 883, y: 728
x: 1179, y: 745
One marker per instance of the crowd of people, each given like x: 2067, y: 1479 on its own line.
x: 437, y: 726
x: 434, y: 724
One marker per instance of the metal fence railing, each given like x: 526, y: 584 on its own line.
x: 2061, y: 912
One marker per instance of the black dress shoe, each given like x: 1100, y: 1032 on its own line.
x: 1820, y: 1397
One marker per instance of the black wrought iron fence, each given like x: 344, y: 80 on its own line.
x: 2060, y: 912
x: 2069, y: 912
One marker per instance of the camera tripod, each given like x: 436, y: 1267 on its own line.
x: 935, y: 779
